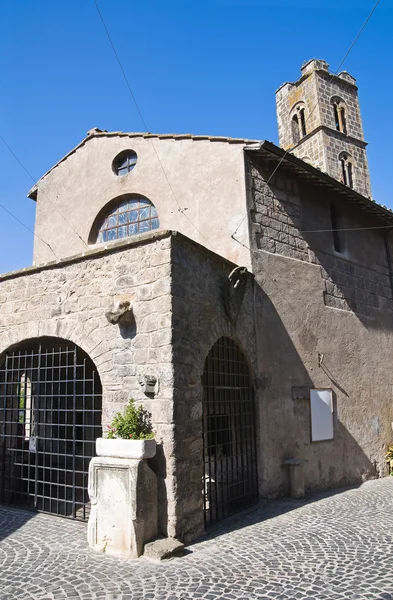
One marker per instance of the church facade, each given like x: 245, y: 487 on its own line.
x: 259, y: 282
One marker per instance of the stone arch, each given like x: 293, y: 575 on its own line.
x: 51, y: 415
x: 298, y: 119
x: 229, y: 431
x: 90, y: 342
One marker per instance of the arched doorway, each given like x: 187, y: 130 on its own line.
x: 50, y: 417
x: 229, y: 442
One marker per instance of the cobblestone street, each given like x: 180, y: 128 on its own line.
x: 337, y: 545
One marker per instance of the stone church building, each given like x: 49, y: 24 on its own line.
x: 259, y: 279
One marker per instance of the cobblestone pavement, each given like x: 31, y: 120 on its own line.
x: 337, y: 545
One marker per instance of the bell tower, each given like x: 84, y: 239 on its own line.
x: 319, y: 121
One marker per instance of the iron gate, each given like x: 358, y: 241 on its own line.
x: 229, y: 444
x: 50, y: 416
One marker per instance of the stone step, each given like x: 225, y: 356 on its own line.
x: 163, y: 548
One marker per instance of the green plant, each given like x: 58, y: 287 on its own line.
x: 135, y: 424
x: 389, y: 458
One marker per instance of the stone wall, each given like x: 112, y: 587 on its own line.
x: 69, y: 299
x: 199, y: 278
x: 335, y: 143
x: 279, y: 215
x: 323, y: 143
x: 175, y: 287
x: 171, y: 171
x: 325, y: 321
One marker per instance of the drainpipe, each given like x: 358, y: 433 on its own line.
x: 389, y: 257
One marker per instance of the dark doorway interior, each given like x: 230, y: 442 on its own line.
x: 229, y: 443
x: 50, y: 417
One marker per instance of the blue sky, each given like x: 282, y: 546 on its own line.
x: 203, y: 67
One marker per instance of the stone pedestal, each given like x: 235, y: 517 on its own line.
x: 296, y: 477
x: 123, y: 516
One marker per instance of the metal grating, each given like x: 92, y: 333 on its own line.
x: 50, y: 417
x: 229, y: 444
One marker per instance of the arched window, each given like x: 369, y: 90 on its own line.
x: 339, y: 111
x: 346, y: 169
x: 298, y: 123
x: 130, y: 216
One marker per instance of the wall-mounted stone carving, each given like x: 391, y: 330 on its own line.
x: 148, y: 383
x: 121, y: 313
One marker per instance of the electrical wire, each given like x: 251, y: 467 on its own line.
x: 347, y: 229
x: 334, y: 74
x: 180, y: 208
x: 43, y: 191
x: 28, y: 229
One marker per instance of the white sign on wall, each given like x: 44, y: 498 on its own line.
x: 321, y: 408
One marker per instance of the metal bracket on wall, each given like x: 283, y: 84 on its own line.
x: 235, y: 288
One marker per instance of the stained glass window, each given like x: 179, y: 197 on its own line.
x: 124, y: 162
x: 130, y: 217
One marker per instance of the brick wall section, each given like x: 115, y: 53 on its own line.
x: 349, y: 286
x: 277, y: 219
x: 276, y: 215
x: 199, y: 321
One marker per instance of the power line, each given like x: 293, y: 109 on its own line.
x: 43, y: 191
x: 347, y: 229
x: 28, y: 229
x: 180, y: 209
x: 315, y: 106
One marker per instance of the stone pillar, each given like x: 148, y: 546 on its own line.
x: 296, y: 477
x: 123, y: 516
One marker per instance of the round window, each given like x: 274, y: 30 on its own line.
x: 124, y: 162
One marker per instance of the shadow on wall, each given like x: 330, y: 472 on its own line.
x: 158, y: 466
x: 289, y: 220
x: 283, y: 404
x: 354, y: 270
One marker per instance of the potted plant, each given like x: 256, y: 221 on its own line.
x: 130, y: 435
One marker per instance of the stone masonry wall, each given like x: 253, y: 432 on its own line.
x: 69, y: 300
x: 323, y: 143
x: 200, y: 320
x: 335, y: 143
x: 353, y: 287
x: 277, y: 216
x: 325, y: 321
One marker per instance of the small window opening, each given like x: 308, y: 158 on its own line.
x: 303, y: 122
x: 295, y: 129
x: 346, y: 170
x: 335, y: 227
x: 339, y: 117
x: 337, y: 123
x: 349, y: 171
x: 124, y: 162
x: 26, y: 416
